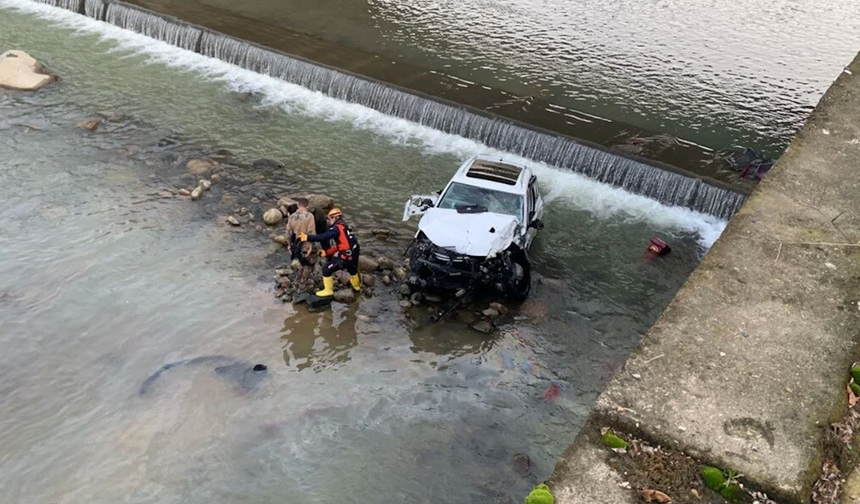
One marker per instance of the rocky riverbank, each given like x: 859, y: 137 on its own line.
x: 254, y: 198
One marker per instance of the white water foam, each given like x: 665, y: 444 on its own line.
x: 601, y: 199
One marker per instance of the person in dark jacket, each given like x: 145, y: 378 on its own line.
x: 342, y: 252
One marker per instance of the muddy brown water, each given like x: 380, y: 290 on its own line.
x: 103, y: 281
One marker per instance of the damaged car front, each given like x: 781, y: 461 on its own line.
x: 474, y: 234
x: 466, y: 249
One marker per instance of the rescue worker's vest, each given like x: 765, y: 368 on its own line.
x: 346, y: 241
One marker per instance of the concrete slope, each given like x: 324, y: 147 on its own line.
x: 749, y: 363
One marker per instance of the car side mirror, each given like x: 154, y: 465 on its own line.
x: 536, y: 223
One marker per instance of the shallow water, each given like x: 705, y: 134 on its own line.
x: 102, y: 282
x: 746, y: 72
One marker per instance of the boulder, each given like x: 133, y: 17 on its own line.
x: 320, y: 202
x: 267, y: 163
x: 534, y: 309
x: 90, y: 124
x: 416, y: 298
x: 406, y: 303
x: 483, y: 327
x: 342, y: 278
x: 273, y: 216
x: 196, y: 193
x: 384, y: 263
x: 368, y: 280
x: 286, y: 201
x: 499, y: 307
x: 282, y: 239
x: 344, y: 296
x: 183, y: 192
x: 19, y: 70
x: 199, y: 166
x: 490, y: 313
x: 553, y: 284
x: 367, y: 264
x: 204, y: 184
x: 405, y: 290
x: 400, y: 273
x: 215, y: 178
x: 381, y: 233
x: 386, y: 280
x: 233, y: 221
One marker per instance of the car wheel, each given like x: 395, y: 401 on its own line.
x: 521, y: 280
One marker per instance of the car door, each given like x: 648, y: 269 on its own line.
x: 534, y: 210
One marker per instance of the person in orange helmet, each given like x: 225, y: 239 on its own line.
x: 342, y: 252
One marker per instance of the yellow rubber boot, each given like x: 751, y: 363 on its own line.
x: 328, y: 287
x: 355, y: 281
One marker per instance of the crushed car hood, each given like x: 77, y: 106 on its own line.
x: 480, y: 234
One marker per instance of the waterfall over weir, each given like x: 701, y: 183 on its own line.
x: 665, y: 186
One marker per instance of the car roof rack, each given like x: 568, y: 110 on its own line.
x: 495, y: 172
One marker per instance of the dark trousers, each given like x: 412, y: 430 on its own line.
x: 337, y: 263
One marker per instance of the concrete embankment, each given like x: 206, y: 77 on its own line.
x: 747, y: 367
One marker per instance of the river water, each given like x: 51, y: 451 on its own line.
x: 746, y: 72
x: 103, y: 281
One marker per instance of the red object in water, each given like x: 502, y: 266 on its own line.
x: 552, y: 392
x: 658, y: 247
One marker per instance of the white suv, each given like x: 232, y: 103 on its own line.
x: 475, y: 233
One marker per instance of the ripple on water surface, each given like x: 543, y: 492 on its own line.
x: 103, y: 283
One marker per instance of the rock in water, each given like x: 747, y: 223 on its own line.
x: 267, y: 163
x: 483, y: 327
x: 205, y: 184
x: 90, y: 124
x: 320, y: 202
x: 233, y: 221
x: 344, y: 296
x: 272, y: 216
x: 367, y: 264
x: 183, y: 192
x: 19, y: 70
x: 282, y: 239
x: 215, y: 178
x: 384, y: 263
x: 199, y: 166
x: 196, y: 193
x: 490, y: 313
x: 381, y: 234
x: 499, y: 307
x: 286, y: 202
x: 400, y: 273
x: 368, y: 280
x: 386, y: 280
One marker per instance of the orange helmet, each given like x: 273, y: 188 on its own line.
x: 335, y: 213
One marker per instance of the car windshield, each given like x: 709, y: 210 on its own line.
x: 459, y: 195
